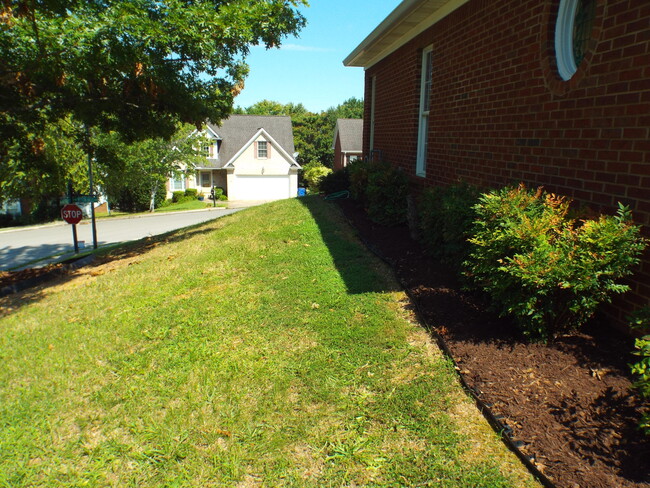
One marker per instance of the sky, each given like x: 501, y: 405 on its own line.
x: 309, y: 69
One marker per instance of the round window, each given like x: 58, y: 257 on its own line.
x: 575, y: 20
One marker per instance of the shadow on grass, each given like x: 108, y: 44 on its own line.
x: 349, y: 254
x: 40, y: 280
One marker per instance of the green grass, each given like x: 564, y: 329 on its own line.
x: 266, y: 348
x: 189, y: 205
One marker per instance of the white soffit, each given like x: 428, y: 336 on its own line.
x: 409, y: 19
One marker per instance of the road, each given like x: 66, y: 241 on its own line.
x: 37, y: 246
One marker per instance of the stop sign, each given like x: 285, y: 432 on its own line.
x: 71, y: 214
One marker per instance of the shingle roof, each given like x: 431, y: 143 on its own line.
x: 350, y: 133
x: 237, y: 130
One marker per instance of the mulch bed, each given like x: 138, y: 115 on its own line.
x: 567, y: 404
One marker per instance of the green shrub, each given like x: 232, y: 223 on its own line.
x: 446, y: 215
x: 178, y: 196
x: 313, y: 174
x: 7, y: 220
x: 358, y: 175
x: 386, y: 194
x: 549, y: 271
x: 335, y: 182
x: 192, y: 193
x: 641, y: 321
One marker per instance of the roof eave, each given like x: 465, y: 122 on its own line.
x: 414, y: 16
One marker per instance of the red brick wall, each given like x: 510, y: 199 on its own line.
x: 500, y: 114
x: 338, y: 155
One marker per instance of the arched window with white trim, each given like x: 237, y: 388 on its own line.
x: 573, y: 28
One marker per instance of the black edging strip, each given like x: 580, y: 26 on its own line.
x: 37, y: 280
x: 499, y: 427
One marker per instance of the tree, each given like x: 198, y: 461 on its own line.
x: 135, y: 67
x: 135, y: 173
x: 269, y: 107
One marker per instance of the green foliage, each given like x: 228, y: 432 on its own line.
x: 358, y: 174
x: 131, y: 171
x: 549, y: 271
x: 641, y: 321
x: 137, y: 67
x: 192, y: 193
x: 313, y: 174
x: 178, y: 196
x: 336, y: 181
x: 386, y: 194
x: 446, y: 218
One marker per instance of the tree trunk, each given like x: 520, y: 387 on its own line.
x: 152, y: 202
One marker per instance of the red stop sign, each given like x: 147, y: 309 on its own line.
x: 71, y: 213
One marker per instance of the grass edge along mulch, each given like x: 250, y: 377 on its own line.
x: 266, y: 348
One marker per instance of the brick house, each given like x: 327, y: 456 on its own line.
x: 348, y: 142
x: 548, y: 92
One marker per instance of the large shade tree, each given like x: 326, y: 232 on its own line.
x: 134, y: 174
x: 136, y: 67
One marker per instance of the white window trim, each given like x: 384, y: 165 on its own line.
x: 174, y: 180
x: 423, y: 117
x: 566, y: 16
x: 266, y: 149
x: 373, y: 89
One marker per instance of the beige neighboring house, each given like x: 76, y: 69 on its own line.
x: 348, y: 142
x: 251, y: 157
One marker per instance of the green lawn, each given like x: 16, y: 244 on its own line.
x: 266, y: 348
x: 190, y: 205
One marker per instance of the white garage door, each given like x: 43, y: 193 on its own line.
x: 261, y: 188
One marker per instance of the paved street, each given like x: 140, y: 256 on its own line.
x: 34, y: 246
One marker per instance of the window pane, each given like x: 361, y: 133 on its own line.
x: 261, y: 149
x: 205, y: 179
x: 584, y: 21
x: 428, y: 77
x: 178, y: 184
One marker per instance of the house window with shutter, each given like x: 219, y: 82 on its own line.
x: 262, y: 150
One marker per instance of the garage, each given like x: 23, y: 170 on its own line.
x: 259, y: 187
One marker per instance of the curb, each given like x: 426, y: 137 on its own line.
x: 37, y: 280
x: 87, y: 221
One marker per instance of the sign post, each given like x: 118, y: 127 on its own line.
x: 72, y: 215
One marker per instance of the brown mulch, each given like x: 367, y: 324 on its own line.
x: 567, y: 403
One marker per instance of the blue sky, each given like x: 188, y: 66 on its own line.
x: 309, y: 69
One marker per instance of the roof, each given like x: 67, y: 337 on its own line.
x: 350, y: 132
x: 238, y: 131
x: 410, y: 18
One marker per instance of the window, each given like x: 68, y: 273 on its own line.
x: 575, y: 20
x: 206, y: 149
x: 373, y: 85
x: 262, y: 150
x: 178, y: 183
x: 426, y: 78
x: 354, y: 158
x: 206, y: 180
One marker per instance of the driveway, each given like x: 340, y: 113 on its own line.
x: 37, y: 246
